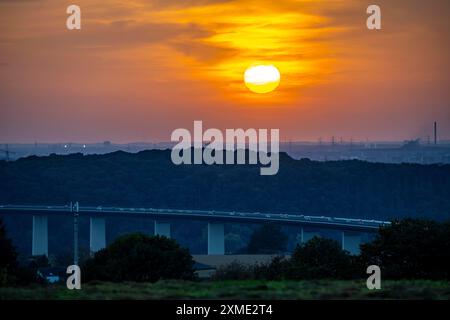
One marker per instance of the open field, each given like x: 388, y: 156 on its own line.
x: 250, y: 289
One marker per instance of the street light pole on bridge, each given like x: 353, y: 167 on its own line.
x: 75, y: 208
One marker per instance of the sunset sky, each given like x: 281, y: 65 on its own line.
x: 138, y: 69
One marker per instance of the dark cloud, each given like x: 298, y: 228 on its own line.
x: 204, y: 52
x: 19, y: 1
x: 182, y: 3
x: 117, y: 34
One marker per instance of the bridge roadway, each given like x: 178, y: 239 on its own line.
x: 351, y: 228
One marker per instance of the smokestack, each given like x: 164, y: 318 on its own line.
x: 435, y: 133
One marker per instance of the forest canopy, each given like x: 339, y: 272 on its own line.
x: 149, y: 179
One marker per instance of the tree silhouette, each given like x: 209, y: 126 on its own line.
x: 8, y: 256
x: 321, y: 258
x: 267, y: 239
x: 411, y: 249
x: 141, y: 258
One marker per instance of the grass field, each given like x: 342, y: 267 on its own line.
x: 249, y: 289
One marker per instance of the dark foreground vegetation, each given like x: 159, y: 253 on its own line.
x: 413, y: 255
x: 237, y: 289
x: 408, y: 249
x: 140, y: 258
x: 149, y: 179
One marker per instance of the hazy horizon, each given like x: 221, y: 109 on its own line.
x: 282, y: 141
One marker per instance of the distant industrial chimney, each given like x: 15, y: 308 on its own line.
x: 435, y: 133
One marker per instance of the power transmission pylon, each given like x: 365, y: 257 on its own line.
x: 7, y: 152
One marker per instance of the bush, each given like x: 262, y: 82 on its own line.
x: 234, y: 271
x: 277, y: 269
x: 316, y: 259
x: 321, y: 258
x: 411, y: 249
x: 8, y: 257
x: 141, y: 258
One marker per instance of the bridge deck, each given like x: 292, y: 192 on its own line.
x: 231, y: 216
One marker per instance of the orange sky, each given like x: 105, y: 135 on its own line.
x: 139, y: 69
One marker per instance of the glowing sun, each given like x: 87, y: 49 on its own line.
x: 262, y: 78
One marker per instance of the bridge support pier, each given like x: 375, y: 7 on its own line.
x: 40, y: 236
x: 97, y: 234
x: 216, y: 238
x: 307, y: 235
x: 351, y: 242
x: 162, y: 228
